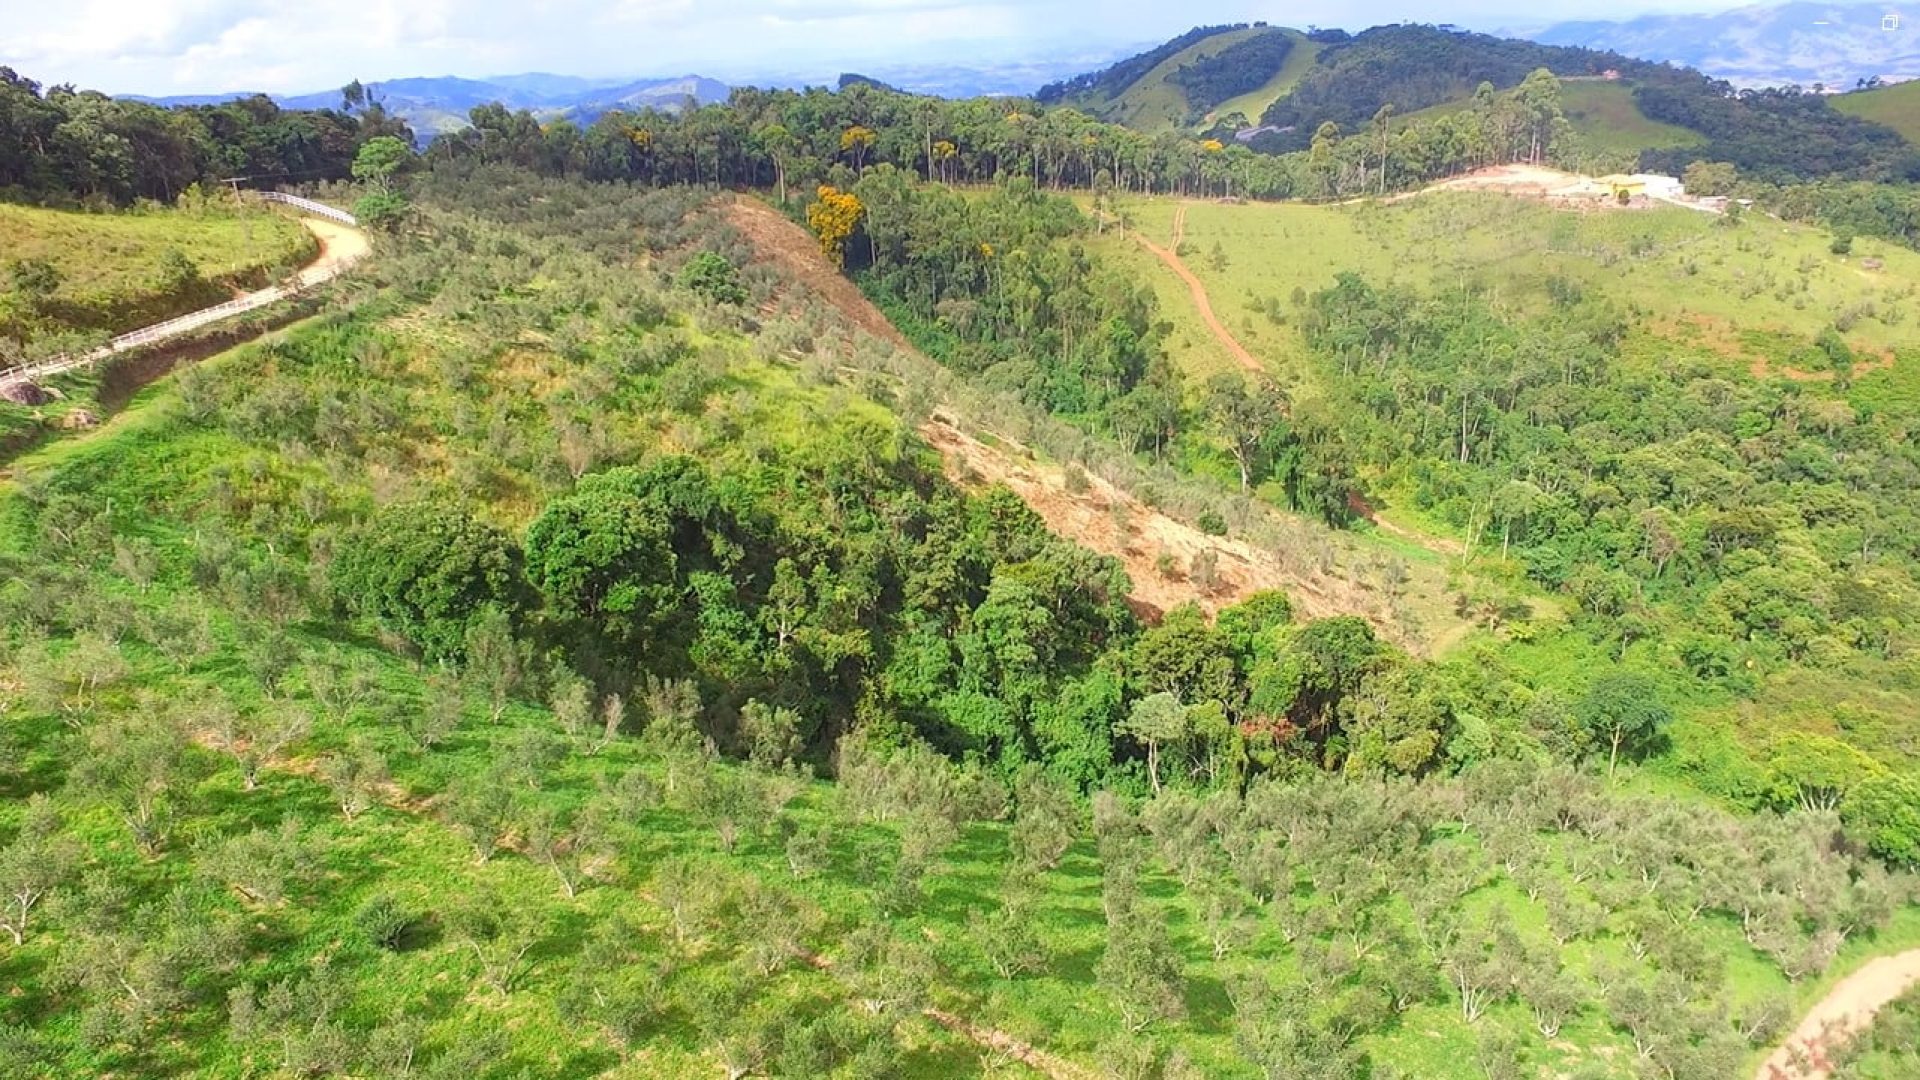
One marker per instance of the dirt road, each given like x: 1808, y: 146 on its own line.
x: 1168, y: 561
x: 1201, y: 302
x: 340, y: 247
x: 1847, y: 1010
x: 1160, y: 552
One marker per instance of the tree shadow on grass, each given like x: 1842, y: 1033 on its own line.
x: 1209, y: 1007
x: 947, y: 901
x: 1075, y: 965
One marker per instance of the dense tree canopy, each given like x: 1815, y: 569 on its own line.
x: 62, y: 144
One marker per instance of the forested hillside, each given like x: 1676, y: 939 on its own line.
x: 567, y: 655
x: 1412, y: 67
x: 61, y: 144
x: 1112, y: 81
x: 1244, y: 66
x: 442, y: 685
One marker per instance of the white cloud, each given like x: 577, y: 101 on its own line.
x: 204, y: 46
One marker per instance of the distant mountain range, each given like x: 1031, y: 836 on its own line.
x: 433, y: 106
x: 1834, y: 44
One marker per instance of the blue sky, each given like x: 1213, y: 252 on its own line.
x: 202, y: 46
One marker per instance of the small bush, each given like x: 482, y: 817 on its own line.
x: 384, y: 210
x: 1842, y: 244
x: 712, y: 276
x: 383, y: 920
x: 1211, y: 523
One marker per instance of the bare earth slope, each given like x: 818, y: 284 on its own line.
x: 1096, y: 514
x: 1847, y: 1010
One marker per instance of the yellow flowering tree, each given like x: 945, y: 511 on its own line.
x: 833, y: 216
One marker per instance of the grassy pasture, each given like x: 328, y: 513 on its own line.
x: 112, y: 268
x: 1605, y: 115
x: 1752, y: 294
x: 1897, y: 107
x: 1255, y: 102
x: 1602, y: 113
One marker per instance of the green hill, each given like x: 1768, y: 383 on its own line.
x: 316, y: 789
x: 1608, y: 118
x: 1255, y: 102
x: 1603, y: 113
x: 1169, y: 88
x: 1897, y: 107
x: 112, y: 272
x: 1414, y: 67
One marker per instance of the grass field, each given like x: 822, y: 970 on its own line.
x: 1605, y: 115
x: 1602, y: 113
x: 112, y: 268
x: 1254, y: 103
x: 1897, y: 107
x: 1750, y: 294
x: 1154, y: 105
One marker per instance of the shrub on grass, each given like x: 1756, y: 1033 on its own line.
x: 383, y: 920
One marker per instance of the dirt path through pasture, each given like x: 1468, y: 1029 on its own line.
x: 1169, y: 562
x: 1201, y: 302
x: 1847, y: 1010
x: 1204, y: 305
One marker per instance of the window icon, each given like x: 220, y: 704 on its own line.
x: 1890, y: 21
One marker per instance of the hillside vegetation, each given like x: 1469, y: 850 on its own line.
x: 372, y: 684
x: 1607, y: 119
x: 1608, y: 128
x: 565, y: 655
x: 1896, y: 107
x: 66, y: 271
x: 1413, y: 67
x: 1182, y: 85
x: 1746, y: 293
x: 1253, y: 103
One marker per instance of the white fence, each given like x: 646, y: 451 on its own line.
x: 193, y: 320
x: 311, y: 207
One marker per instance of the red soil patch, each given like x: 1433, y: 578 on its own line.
x: 1099, y: 516
x: 1848, y: 1009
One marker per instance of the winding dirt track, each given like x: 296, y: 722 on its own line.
x: 1847, y: 1010
x: 1201, y: 302
x: 1204, y: 305
x: 340, y: 247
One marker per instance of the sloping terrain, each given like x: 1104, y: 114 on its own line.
x: 1153, y: 103
x: 1848, y: 1009
x: 1752, y: 294
x: 1607, y: 118
x: 1160, y: 552
x: 1256, y: 102
x: 1602, y: 112
x: 1897, y: 107
x: 115, y: 272
x: 1413, y: 68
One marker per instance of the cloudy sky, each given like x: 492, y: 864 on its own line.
x: 204, y: 46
